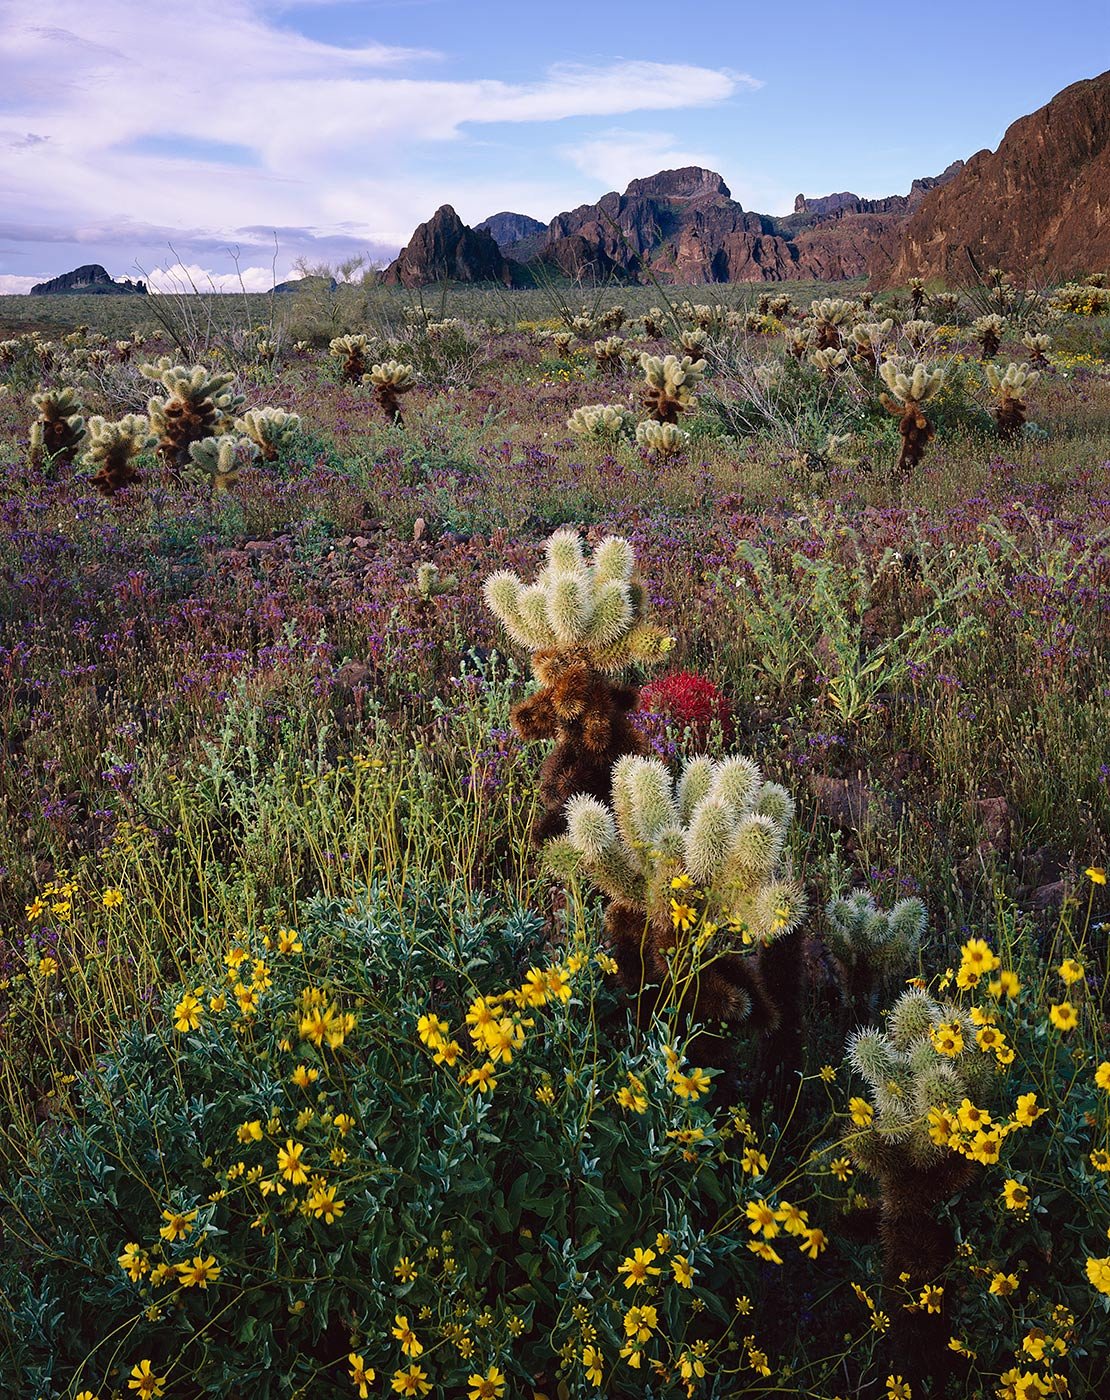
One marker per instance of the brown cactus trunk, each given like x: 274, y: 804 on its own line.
x: 1010, y: 418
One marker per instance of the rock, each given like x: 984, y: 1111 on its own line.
x: 307, y: 284
x: 1049, y: 896
x: 849, y: 803
x: 517, y: 235
x: 1039, y: 206
x: 683, y: 226
x: 996, y: 819
x: 444, y: 248
x: 90, y: 280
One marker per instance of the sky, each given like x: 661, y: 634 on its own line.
x: 166, y: 140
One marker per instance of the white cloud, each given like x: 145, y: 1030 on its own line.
x: 187, y: 277
x: 13, y: 286
x: 334, y: 136
x: 616, y: 157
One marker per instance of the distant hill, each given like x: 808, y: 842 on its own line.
x: 445, y: 248
x: 90, y: 280
x: 1039, y: 205
x: 519, y: 236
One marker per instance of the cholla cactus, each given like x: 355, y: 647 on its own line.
x: 602, y: 420
x: 917, y: 294
x: 562, y: 342
x: 612, y: 318
x: 921, y: 1071
x: 59, y: 430
x: 1009, y: 413
x: 221, y: 458
x: 653, y: 322
x: 1038, y: 346
x: 945, y: 305
x: 608, y: 352
x: 113, y: 448
x: 661, y: 438
x: 391, y: 379
x: 919, y: 333
x: 697, y: 867
x: 352, y: 350
x: 693, y: 342
x: 867, y: 339
x: 670, y: 385
x: 829, y: 361
x: 989, y: 330
x: 911, y: 390
x: 199, y: 404
x: 429, y: 583
x: 269, y: 428
x: 802, y: 340
x: 872, y: 948
x: 584, y: 326
x: 830, y: 314
x: 582, y: 622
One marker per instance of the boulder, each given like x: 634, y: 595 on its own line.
x: 446, y: 249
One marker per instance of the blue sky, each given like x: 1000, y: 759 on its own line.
x: 128, y: 127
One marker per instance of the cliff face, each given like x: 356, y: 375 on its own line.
x: 517, y: 235
x: 683, y: 226
x: 446, y: 248
x: 1038, y: 206
x: 90, y: 280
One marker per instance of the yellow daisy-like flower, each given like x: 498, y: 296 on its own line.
x: 133, y: 1261
x: 861, y: 1111
x: 491, y: 1386
x: 302, y: 1076
x: 930, y: 1298
x: 1002, y: 1285
x: 1027, y: 1112
x: 324, y: 1206
x: 343, y: 1123
x: 187, y: 1014
x: 178, y: 1224
x: 1096, y: 874
x: 362, y: 1376
x: 291, y: 1162
x: 432, y: 1031
x: 841, y: 1168
x: 761, y: 1219
x: 683, y: 915
x: 1071, y: 971
x: 1063, y: 1016
x: 637, y: 1267
x: 683, y: 1271
x: 1098, y: 1272
x: 692, y: 1085
x: 414, y: 1381
x: 1006, y: 984
x: 198, y: 1272
x: 813, y: 1242
x: 404, y: 1269
x: 1015, y: 1195
x: 592, y: 1360
x: 145, y: 1383
x: 410, y: 1343
x: 898, y: 1389
x: 753, y: 1162
x: 947, y: 1039
x: 482, y: 1078
x: 1100, y: 1160
x: 640, y: 1322
x: 1102, y: 1076
x: 765, y: 1251
x: 826, y: 1074
x: 111, y: 899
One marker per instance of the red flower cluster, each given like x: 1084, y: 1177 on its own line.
x: 687, y: 700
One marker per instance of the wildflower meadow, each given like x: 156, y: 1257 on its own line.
x: 554, y: 844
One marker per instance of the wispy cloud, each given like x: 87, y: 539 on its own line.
x: 617, y: 156
x: 109, y: 111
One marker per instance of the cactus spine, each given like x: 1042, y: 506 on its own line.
x: 662, y: 439
x: 871, y: 948
x: 583, y: 622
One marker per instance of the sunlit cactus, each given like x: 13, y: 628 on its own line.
x: 429, y: 583
x: 221, y: 458
x: 919, y: 333
x: 269, y: 428
x: 945, y: 305
x: 866, y: 340
x: 872, y: 948
x: 584, y: 326
x: 801, y: 340
x: 1038, y: 346
x: 612, y: 318
x: 917, y: 294
x: 699, y: 882
x: 911, y: 390
x: 351, y: 351
x: 583, y: 622
x: 390, y: 380
x: 1007, y: 388
x: 198, y: 404
x: 670, y: 385
x: 989, y: 330
x: 113, y: 447
x: 653, y: 322
x: 562, y: 341
x: 831, y: 316
x: 608, y: 352
x: 59, y: 430
x: 663, y: 439
x: 602, y: 420
x: 829, y: 362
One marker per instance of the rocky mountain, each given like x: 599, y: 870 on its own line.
x: 90, y: 280
x: 446, y: 248
x: 1038, y: 206
x: 519, y: 236
x: 684, y: 226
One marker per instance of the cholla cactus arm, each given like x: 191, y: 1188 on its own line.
x: 220, y: 458
x: 269, y: 428
x: 696, y: 780
x: 352, y: 351
x: 1007, y: 387
x: 603, y: 420
x: 198, y: 404
x: 390, y: 380
x: 663, y: 439
x: 614, y: 560
x: 670, y: 384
